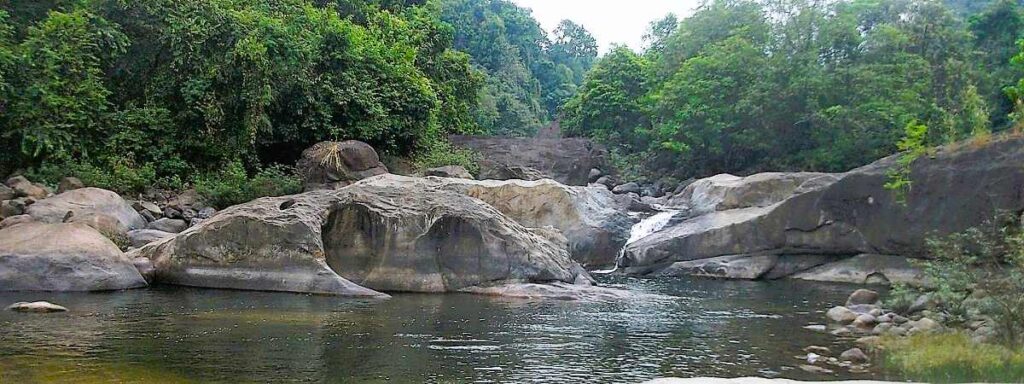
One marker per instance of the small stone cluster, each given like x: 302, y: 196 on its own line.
x: 18, y: 193
x: 167, y: 214
x: 638, y: 196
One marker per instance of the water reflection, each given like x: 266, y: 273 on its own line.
x: 169, y: 334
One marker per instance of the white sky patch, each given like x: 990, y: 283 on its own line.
x: 610, y: 21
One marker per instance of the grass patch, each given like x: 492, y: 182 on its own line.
x: 953, y: 358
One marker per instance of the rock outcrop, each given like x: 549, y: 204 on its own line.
x: 38, y: 256
x: 386, y: 233
x: 453, y: 171
x: 817, y: 216
x: 83, y: 202
x: 331, y: 165
x: 568, y: 161
x: 591, y: 220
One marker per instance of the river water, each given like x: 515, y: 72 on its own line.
x: 173, y: 334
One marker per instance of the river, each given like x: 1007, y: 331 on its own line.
x: 173, y: 334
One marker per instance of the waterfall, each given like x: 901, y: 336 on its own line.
x: 641, y: 230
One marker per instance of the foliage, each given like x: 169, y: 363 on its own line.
x: 980, y: 271
x: 528, y: 75
x: 953, y: 357
x: 184, y: 87
x: 443, y: 153
x: 912, y: 146
x: 232, y: 185
x: 750, y: 85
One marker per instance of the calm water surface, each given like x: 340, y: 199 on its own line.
x: 171, y: 334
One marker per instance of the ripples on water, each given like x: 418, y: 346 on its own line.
x: 170, y: 334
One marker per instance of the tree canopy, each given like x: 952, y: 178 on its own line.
x: 749, y: 85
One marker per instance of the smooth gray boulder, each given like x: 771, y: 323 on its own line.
x: 168, y: 225
x: 375, y: 235
x: 38, y: 256
x: 140, y: 237
x: 81, y: 202
x: 594, y: 224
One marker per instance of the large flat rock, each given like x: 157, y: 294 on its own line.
x: 568, y: 160
x: 87, y: 201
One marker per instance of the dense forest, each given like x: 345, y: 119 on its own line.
x: 745, y: 85
x: 130, y: 95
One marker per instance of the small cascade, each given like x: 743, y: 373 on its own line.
x: 641, y: 230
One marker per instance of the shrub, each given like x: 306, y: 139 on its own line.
x: 441, y: 153
x: 232, y: 185
x: 981, y: 270
x: 119, y: 174
x: 953, y: 357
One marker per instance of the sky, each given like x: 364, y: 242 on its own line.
x: 610, y: 21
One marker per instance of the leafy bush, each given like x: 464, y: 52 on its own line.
x: 981, y: 271
x: 912, y: 146
x: 233, y: 185
x: 118, y: 173
x: 953, y: 357
x: 442, y: 153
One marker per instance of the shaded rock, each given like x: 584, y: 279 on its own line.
x: 147, y: 216
x: 24, y: 188
x: 731, y: 267
x: 567, y: 161
x: 865, y: 269
x: 145, y: 206
x: 62, y: 257
x: 450, y: 171
x: 864, y: 322
x: 841, y: 315
x: 594, y: 175
x: 168, y: 225
x: 854, y: 355
x: 173, y: 213
x: 140, y: 237
x: 15, y: 220
x: 330, y: 165
x: 788, y: 265
x: 626, y: 188
x: 87, y: 201
x: 205, y: 213
x: 379, y: 234
x: 69, y: 183
x: 862, y: 296
x: 9, y: 208
x: 145, y: 267
x: 6, y: 193
x: 605, y: 181
x: 36, y: 307
x: 589, y: 218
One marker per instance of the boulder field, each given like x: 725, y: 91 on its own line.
x: 832, y: 227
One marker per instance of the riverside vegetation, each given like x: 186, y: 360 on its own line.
x: 220, y: 98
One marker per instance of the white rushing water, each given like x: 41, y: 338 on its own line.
x: 641, y: 230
